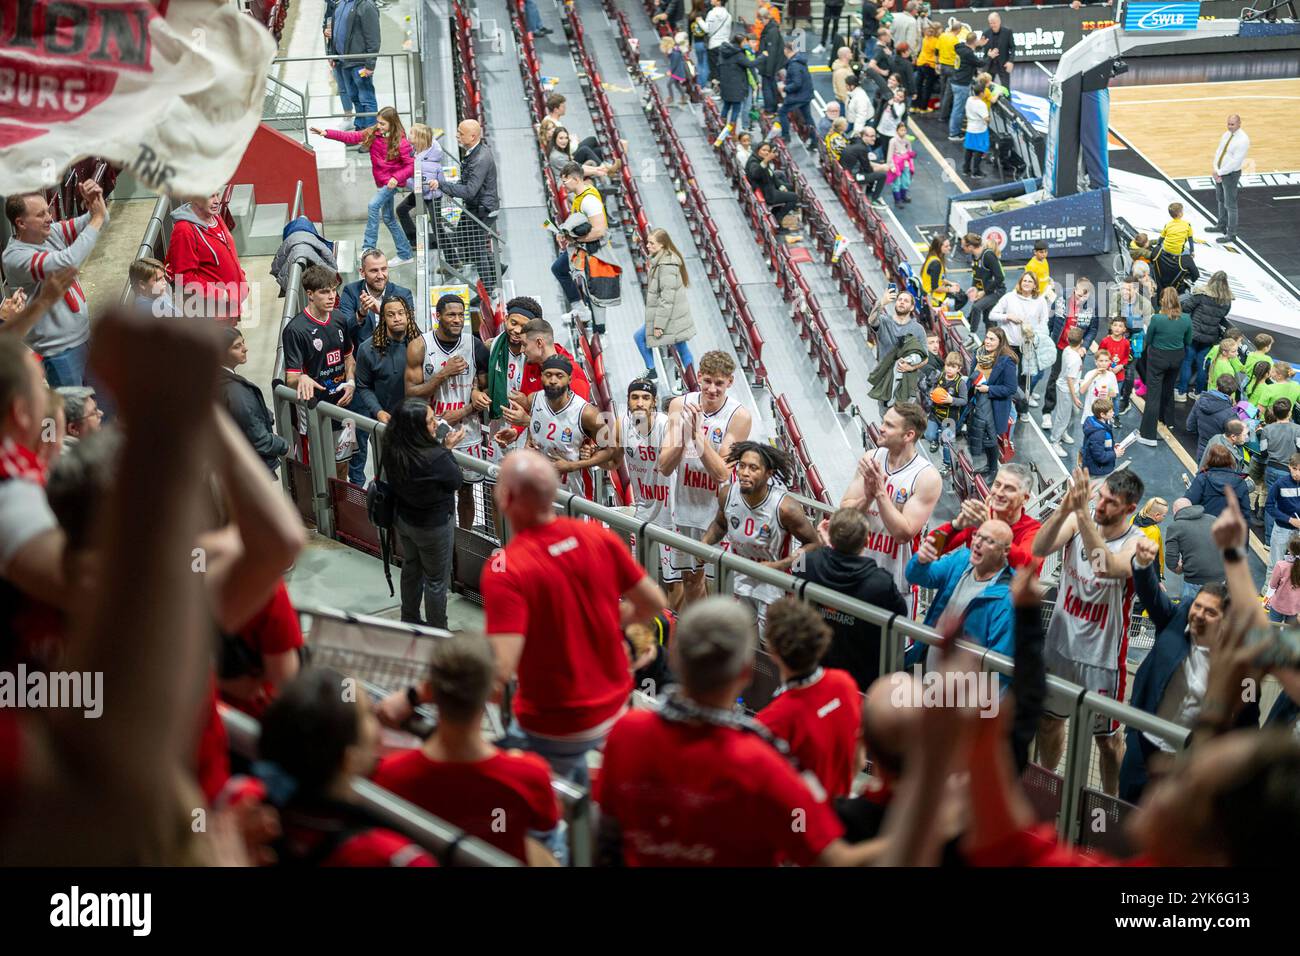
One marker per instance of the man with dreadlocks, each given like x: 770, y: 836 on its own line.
x: 755, y: 516
x: 381, y: 361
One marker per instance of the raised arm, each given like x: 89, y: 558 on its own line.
x: 1061, y: 526
x: 795, y: 520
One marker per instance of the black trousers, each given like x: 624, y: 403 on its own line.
x: 406, y: 216
x: 831, y: 21
x: 1163, y: 366
x: 979, y: 312
x: 873, y: 184
x: 781, y: 202
x: 927, y: 81
x: 1049, y: 400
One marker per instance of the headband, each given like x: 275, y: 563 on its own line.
x: 642, y: 385
x: 558, y: 362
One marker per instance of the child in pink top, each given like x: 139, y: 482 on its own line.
x: 1284, y: 603
x: 393, y: 162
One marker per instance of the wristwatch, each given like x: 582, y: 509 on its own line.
x: 1233, y: 554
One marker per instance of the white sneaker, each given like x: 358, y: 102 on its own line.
x: 818, y: 48
x: 394, y: 262
x: 1060, y: 452
x: 1180, y: 396
x: 1047, y: 421
x: 1033, y: 401
x: 1067, y: 439
x: 1150, y: 442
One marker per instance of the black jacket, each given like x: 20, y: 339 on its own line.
x: 1209, y: 318
x: 857, y: 158
x: 855, y: 644
x: 381, y: 378
x: 968, y: 64
x: 674, y: 10
x: 363, y: 34
x: 1212, y: 411
x: 733, y: 73
x: 478, y: 181
x: 761, y: 178
x: 244, y: 401
x: 427, y: 496
x: 771, y: 51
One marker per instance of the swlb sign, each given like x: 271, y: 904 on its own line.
x: 1150, y: 17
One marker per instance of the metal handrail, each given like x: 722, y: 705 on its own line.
x: 410, y: 59
x: 292, y: 95
x: 434, y: 834
x: 296, y: 209
x: 153, y: 231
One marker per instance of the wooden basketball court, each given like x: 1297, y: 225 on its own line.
x: 1177, y: 126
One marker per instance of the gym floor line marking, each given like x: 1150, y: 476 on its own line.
x: 939, y: 158
x: 1200, y: 99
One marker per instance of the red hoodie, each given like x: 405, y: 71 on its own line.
x: 205, y: 256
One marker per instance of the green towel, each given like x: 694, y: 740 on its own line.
x: 499, y: 375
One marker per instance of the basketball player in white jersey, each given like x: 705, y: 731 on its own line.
x: 559, y: 421
x: 897, y: 488
x: 702, y: 428
x: 640, y: 441
x: 448, y: 366
x: 756, y: 517
x: 519, y: 311
x: 1087, y: 639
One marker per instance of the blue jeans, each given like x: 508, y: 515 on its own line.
x: 426, y: 569
x: 1194, y: 365
x: 932, y: 430
x: 357, y: 463
x: 731, y: 112
x: 783, y: 117
x: 568, y: 759
x: 382, y: 205
x: 682, y: 349
x: 361, y: 91
x: 960, y: 94
x: 1189, y: 592
x: 341, y: 79
x: 701, y: 63
x: 531, y: 16
x: 563, y: 273
x: 1271, y: 477
x: 67, y: 367
x: 1277, y: 617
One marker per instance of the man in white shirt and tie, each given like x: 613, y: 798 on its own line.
x: 1229, y: 156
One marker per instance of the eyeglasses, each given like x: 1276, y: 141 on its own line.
x: 988, y: 541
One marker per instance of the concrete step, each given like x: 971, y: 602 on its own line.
x: 266, y: 233
x: 242, y: 206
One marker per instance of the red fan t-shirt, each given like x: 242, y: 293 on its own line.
x: 558, y: 585
x: 1121, y: 350
x: 497, y: 800
x: 273, y: 630
x: 688, y: 794
x: 820, y: 721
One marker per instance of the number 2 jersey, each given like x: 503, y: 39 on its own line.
x: 1090, y: 621
x: 561, y: 431
x: 651, y: 490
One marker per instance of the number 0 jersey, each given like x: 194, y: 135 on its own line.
x: 755, y: 532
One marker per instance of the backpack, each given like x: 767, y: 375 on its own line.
x: 381, y: 509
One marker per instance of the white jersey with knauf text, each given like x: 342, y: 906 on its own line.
x: 456, y: 392
x: 493, y: 452
x: 651, y: 489
x: 888, y: 552
x: 755, y: 532
x: 1090, y: 621
x: 695, y: 501
x: 561, y: 432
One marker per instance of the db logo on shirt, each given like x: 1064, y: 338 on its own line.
x: 334, y: 357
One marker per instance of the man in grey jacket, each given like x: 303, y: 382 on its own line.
x: 477, y: 190
x: 1190, y: 549
x: 354, y: 31
x: 40, y: 247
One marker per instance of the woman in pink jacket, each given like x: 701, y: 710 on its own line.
x: 392, y: 162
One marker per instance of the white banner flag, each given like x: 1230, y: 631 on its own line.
x: 172, y: 89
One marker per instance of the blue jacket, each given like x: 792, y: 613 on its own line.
x: 1212, y: 411
x: 1210, y: 489
x: 1283, y: 501
x: 350, y: 301
x: 1098, y: 453
x: 798, y: 81
x: 1003, y: 386
x: 989, y: 618
x: 381, y: 379
x: 1172, y: 645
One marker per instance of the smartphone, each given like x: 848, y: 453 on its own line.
x: 441, y: 432
x: 940, y: 540
x: 893, y: 287
x: 1282, y: 645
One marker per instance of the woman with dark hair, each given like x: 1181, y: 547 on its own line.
x: 992, y: 386
x: 934, y: 282
x: 1169, y: 335
x: 1216, y: 481
x: 420, y: 469
x: 246, y: 405
x: 316, y: 739
x: 560, y: 151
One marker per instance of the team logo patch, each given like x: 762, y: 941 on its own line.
x: 765, y: 533
x: 318, y: 344
x: 566, y: 435
x: 900, y: 497
x: 537, y: 426
x: 717, y: 435
x: 735, y: 522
